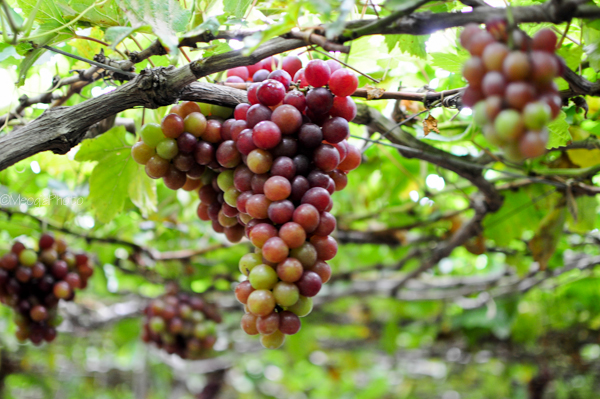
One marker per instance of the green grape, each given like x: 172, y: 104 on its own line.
x: 286, y: 294
x: 231, y: 196
x: 225, y: 180
x: 157, y: 324
x: 272, y: 341
x: 509, y: 125
x: 303, y: 307
x: 248, y: 262
x: 263, y: 277
x: 480, y: 113
x: 167, y: 149
x: 152, y: 134
x: 28, y: 257
x: 536, y: 115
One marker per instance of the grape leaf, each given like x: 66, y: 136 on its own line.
x: 409, y: 44
x: 543, y: 243
x: 166, y: 18
x: 112, y: 175
x: 448, y: 61
x: 6, y: 51
x: 142, y: 191
x: 47, y: 12
x: 586, y: 215
x: 236, y: 7
x: 288, y: 22
x: 31, y: 56
x: 105, y: 13
x: 571, y: 54
x: 336, y: 27
x: 116, y: 34
x: 103, y: 146
x: 559, y: 132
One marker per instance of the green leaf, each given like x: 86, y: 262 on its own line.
x: 586, y: 215
x: 112, y: 175
x: 543, y: 243
x: 288, y: 22
x: 448, y: 61
x: 105, y: 13
x: 336, y: 27
x: 409, y: 44
x: 572, y: 55
x: 236, y: 7
x: 48, y: 11
x: 103, y: 146
x: 559, y: 132
x: 22, y: 48
x: 142, y: 191
x: 7, y: 51
x: 165, y: 17
x: 520, y: 212
x: 217, y: 48
x: 116, y: 34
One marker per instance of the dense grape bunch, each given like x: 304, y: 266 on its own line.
x: 511, y: 87
x: 32, y: 283
x: 181, y: 323
x: 267, y: 174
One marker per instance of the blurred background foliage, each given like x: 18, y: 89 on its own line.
x: 487, y: 322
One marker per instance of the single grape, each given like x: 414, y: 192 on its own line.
x: 309, y: 284
x: 343, y: 107
x: 286, y: 294
x: 291, y: 64
x: 142, y: 152
x: 270, y: 92
x: 174, y: 179
x: 287, y: 118
x: 272, y: 341
x: 257, y: 113
x: 509, y: 124
x: 167, y: 148
x: 263, y: 277
x: 195, y: 123
x: 319, y: 100
x: 241, y: 72
x: 289, y: 323
x: 283, y: 166
x: 172, y: 125
x: 260, y: 75
x: 259, y: 161
x: 248, y: 324
x: 282, y: 77
x: 266, y: 135
x: 317, y: 73
x: 268, y: 324
x: 275, y: 250
x: 296, y: 99
x: 343, y: 82
x: 493, y: 56
x: 261, y: 302
x: 536, y: 115
x: 303, y: 307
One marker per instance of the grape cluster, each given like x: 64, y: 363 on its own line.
x: 33, y: 282
x: 267, y: 174
x: 181, y: 323
x: 511, y: 87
